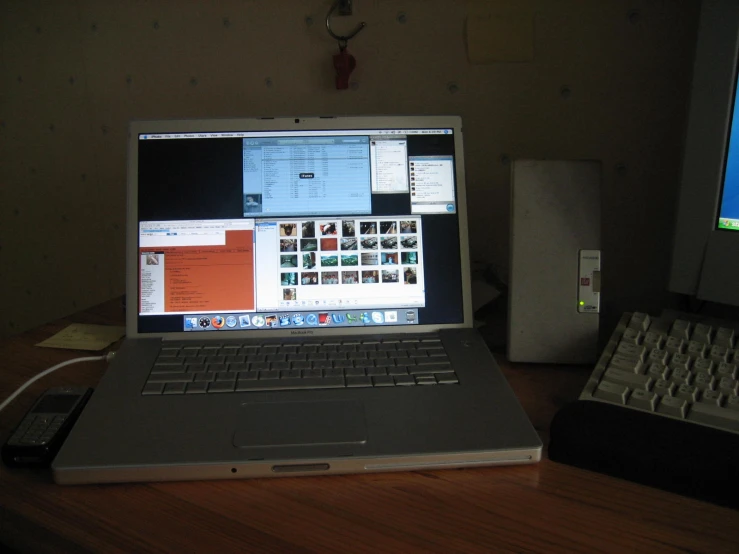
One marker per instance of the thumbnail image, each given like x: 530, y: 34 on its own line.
x: 389, y: 275
x: 288, y: 229
x: 389, y: 243
x: 309, y: 260
x: 409, y: 257
x: 328, y: 228
x: 388, y: 227
x: 289, y: 294
x: 271, y: 321
x: 371, y: 276
x: 309, y: 245
x: 369, y: 258
x: 331, y: 261
x: 409, y: 242
x: 349, y: 259
x: 289, y: 279
x: 349, y: 244
x: 389, y: 258
x: 252, y: 203
x: 350, y: 277
x: 347, y: 228
x: 408, y: 227
x: 329, y: 244
x: 410, y: 276
x: 152, y: 259
x: 330, y: 278
x: 308, y: 229
x: 369, y: 243
x: 289, y: 260
x: 288, y: 245
x: 368, y: 228
x: 309, y: 278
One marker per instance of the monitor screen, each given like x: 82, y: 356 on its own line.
x: 728, y: 217
x: 705, y: 250
x: 295, y: 229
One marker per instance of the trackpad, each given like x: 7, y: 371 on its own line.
x: 269, y: 424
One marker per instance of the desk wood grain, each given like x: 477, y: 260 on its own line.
x: 546, y: 507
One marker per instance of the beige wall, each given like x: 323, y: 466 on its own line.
x: 74, y: 72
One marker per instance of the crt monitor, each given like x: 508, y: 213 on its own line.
x: 705, y: 261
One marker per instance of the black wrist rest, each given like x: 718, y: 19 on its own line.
x: 673, y: 455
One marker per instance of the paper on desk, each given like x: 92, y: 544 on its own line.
x: 80, y: 336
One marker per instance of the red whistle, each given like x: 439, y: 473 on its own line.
x: 344, y: 63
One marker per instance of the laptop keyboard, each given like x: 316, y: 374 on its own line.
x: 192, y: 368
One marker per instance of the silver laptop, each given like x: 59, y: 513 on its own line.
x: 298, y: 303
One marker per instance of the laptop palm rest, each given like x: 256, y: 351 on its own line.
x: 289, y: 424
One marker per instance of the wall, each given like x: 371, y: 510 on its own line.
x: 608, y: 80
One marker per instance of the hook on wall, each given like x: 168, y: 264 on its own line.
x: 345, y: 8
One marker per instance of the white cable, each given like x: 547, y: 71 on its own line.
x: 24, y: 386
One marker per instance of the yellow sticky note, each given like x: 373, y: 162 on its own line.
x: 80, y: 336
x: 500, y: 38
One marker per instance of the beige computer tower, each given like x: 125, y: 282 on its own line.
x: 554, y: 281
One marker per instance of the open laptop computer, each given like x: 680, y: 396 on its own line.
x: 298, y: 303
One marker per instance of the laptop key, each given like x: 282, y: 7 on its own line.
x: 425, y: 379
x: 266, y: 375
x: 355, y: 372
x: 290, y: 374
x: 334, y: 372
x: 447, y: 379
x: 196, y: 388
x: 290, y: 384
x: 223, y: 386
x: 383, y: 381
x: 174, y: 388
x: 355, y: 382
x: 405, y: 380
x: 153, y: 388
x: 170, y: 378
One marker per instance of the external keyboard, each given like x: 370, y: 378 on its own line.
x: 189, y: 367
x: 678, y: 367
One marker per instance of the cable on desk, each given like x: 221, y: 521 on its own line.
x: 107, y: 357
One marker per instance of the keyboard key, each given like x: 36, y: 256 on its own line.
x: 697, y: 349
x: 290, y: 384
x: 174, y: 388
x: 632, y: 336
x: 680, y: 361
x: 704, y: 366
x: 611, y: 392
x: 675, y: 345
x: 663, y: 387
x: 631, y: 380
x: 639, y: 321
x: 726, y: 369
x: 354, y: 382
x: 719, y: 354
x: 383, y: 381
x: 687, y: 392
x: 653, y: 340
x: 714, y: 415
x: 702, y: 333
x: 405, y: 380
x: 630, y: 350
x: 659, y: 356
x: 170, y: 377
x: 724, y: 337
x: 447, y: 379
x: 704, y: 381
x: 425, y: 380
x: 632, y: 365
x: 153, y: 388
x: 681, y: 329
x: 712, y: 397
x: 196, y: 388
x: 643, y: 399
x: 270, y: 374
x: 671, y: 405
x: 223, y: 386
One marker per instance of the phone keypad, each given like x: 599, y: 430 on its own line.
x: 37, y: 430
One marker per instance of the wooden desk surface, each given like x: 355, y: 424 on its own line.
x: 546, y: 507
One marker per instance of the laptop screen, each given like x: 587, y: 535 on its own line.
x: 297, y: 229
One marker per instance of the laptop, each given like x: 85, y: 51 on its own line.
x: 298, y: 303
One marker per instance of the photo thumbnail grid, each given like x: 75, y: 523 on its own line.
x: 338, y: 251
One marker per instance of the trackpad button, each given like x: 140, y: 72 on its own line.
x: 269, y: 424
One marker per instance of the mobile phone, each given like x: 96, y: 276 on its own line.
x: 41, y: 432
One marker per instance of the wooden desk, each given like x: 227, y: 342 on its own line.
x: 546, y: 507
